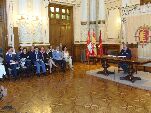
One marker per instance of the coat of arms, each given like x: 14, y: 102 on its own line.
x: 143, y: 34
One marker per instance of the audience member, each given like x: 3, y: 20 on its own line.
x: 38, y: 61
x: 2, y: 67
x: 50, y: 61
x: 12, y: 61
x: 67, y: 57
x: 24, y: 58
x: 58, y: 58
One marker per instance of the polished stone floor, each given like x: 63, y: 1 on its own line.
x: 73, y: 92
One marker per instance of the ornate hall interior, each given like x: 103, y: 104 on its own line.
x: 75, y: 56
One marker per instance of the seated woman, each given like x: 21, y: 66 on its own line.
x: 47, y: 57
x: 12, y: 61
x: 24, y: 58
x: 67, y: 57
x: 2, y: 67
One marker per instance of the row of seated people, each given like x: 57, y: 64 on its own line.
x: 38, y: 58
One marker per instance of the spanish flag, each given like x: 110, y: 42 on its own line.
x: 88, y: 51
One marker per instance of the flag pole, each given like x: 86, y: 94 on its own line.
x: 89, y: 16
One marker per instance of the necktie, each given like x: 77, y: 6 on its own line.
x: 36, y: 55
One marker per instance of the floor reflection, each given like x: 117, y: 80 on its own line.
x: 74, y: 92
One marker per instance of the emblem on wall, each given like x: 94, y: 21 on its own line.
x: 143, y: 34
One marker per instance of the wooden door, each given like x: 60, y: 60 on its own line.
x: 61, y: 25
x: 3, y: 26
x: 1, y: 39
x: 16, y: 38
x: 63, y: 35
x: 54, y: 34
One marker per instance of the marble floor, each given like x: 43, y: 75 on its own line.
x: 73, y: 92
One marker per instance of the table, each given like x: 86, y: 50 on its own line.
x: 115, y: 59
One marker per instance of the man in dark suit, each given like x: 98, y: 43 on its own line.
x: 12, y: 61
x: 127, y: 53
x: 37, y: 59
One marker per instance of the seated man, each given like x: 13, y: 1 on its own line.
x: 127, y: 53
x: 2, y: 67
x: 37, y: 59
x: 12, y: 61
x: 58, y: 58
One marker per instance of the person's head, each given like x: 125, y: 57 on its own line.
x: 10, y: 49
x: 36, y: 49
x: 124, y: 46
x: 24, y: 50
x: 60, y: 44
x: 32, y: 48
x: 20, y: 48
x: 50, y: 47
x: 64, y: 48
x: 42, y: 49
x: 57, y: 48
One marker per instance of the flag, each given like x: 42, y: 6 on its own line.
x: 94, y: 49
x: 88, y: 50
x: 100, y: 51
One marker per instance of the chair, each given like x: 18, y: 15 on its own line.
x: 83, y: 56
x: 92, y: 59
x: 1, y: 52
x: 134, y: 52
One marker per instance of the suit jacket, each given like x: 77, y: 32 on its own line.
x: 45, y: 57
x: 36, y: 57
x: 22, y: 55
x: 10, y: 57
x: 50, y: 54
x: 126, y: 53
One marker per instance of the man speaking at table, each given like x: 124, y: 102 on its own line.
x: 125, y: 52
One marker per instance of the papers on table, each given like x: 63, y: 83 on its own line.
x: 121, y: 56
x: 111, y: 55
x: 13, y: 63
x: 117, y: 56
x: 2, y: 71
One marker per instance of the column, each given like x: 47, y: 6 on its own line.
x: 101, y: 15
x: 92, y: 10
x: 92, y: 18
x: 22, y: 7
x: 37, y: 7
x: 84, y: 14
x: 101, y: 19
x: 84, y: 21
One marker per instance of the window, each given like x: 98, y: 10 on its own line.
x: 63, y: 17
x: 57, y: 16
x: 57, y: 10
x: 52, y: 9
x: 68, y: 11
x: 68, y: 17
x: 63, y: 11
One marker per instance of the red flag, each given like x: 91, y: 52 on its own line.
x: 100, y: 51
x: 94, y: 50
x: 88, y: 45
